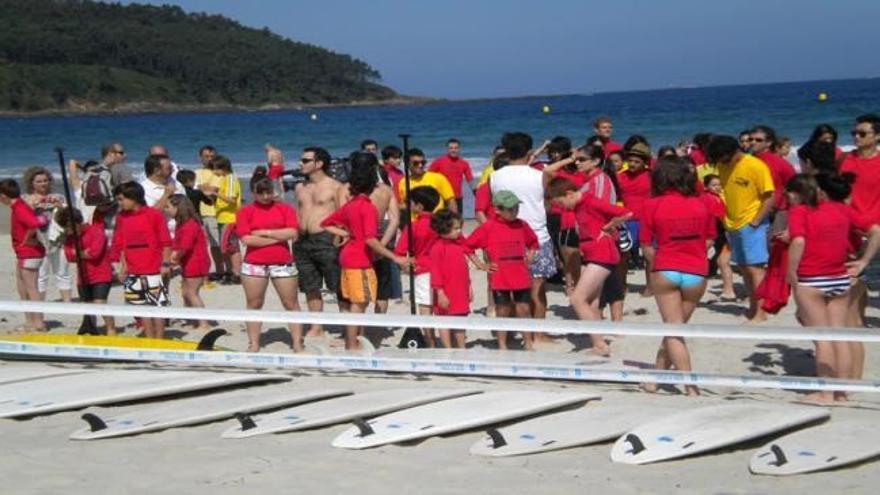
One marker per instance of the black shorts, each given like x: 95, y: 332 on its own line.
x: 568, y: 238
x: 89, y: 293
x: 460, y: 203
x: 382, y: 267
x: 317, y: 261
x: 511, y: 296
x: 612, y: 289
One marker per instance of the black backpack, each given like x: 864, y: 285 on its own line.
x: 96, y: 190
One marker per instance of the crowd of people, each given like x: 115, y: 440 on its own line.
x: 583, y: 215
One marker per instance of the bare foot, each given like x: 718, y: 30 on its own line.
x: 691, y: 391
x: 315, y: 332
x: 841, y: 397
x: 650, y: 388
x: 203, y: 328
x: 603, y: 351
x: 819, y: 398
x: 647, y: 293
x: 756, y: 320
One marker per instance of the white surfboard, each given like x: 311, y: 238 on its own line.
x: 105, y: 387
x: 838, y: 443
x: 330, y: 412
x: 107, y: 423
x: 454, y: 415
x: 707, y: 428
x: 587, y: 425
x: 12, y: 374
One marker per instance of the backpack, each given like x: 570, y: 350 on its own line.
x: 96, y: 189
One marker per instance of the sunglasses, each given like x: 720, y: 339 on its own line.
x: 861, y: 134
x: 757, y: 140
x: 418, y: 162
x: 306, y: 160
x: 119, y: 152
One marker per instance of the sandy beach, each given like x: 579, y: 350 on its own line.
x: 38, y: 457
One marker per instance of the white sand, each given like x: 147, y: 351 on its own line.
x: 38, y: 458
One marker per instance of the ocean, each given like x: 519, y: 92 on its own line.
x: 664, y: 116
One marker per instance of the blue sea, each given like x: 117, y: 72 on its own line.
x: 663, y: 116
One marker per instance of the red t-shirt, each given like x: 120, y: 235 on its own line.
x: 609, y: 147
x: 781, y: 172
x: 424, y: 238
x: 599, y: 186
x: 566, y: 216
x: 824, y: 229
x: 258, y: 216
x: 140, y: 236
x: 275, y: 170
x: 483, y: 201
x: 454, y: 169
x: 592, y: 214
x: 360, y: 219
x: 449, y: 271
x: 635, y: 189
x: 680, y: 226
x: 715, y: 204
x: 866, y: 188
x: 394, y: 175
x: 96, y: 256
x: 697, y: 157
x: 189, y: 239
x: 22, y: 230
x: 506, y: 244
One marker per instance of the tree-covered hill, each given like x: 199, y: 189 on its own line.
x: 78, y: 54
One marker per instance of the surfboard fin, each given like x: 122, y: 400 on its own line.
x: 636, y: 442
x: 207, y: 342
x: 779, y: 454
x: 95, y: 423
x: 246, y: 421
x: 498, y: 440
x: 364, y: 427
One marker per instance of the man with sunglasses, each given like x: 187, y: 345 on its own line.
x: 764, y: 144
x: 419, y: 176
x: 315, y: 254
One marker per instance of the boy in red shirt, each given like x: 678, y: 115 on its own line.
x: 29, y: 253
x: 189, y: 251
x: 597, y: 227
x: 356, y: 224
x: 96, y: 276
x: 450, y: 277
x: 455, y: 168
x: 510, y: 245
x: 141, y: 253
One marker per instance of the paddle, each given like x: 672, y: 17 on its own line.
x: 412, y: 337
x: 88, y: 324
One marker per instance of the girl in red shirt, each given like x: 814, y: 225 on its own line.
x: 818, y: 270
x: 29, y: 252
x: 712, y: 195
x: 561, y: 221
x: 597, y: 227
x: 675, y: 232
x: 267, y: 227
x: 189, y: 251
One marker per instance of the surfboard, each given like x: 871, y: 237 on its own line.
x: 325, y: 413
x: 708, y: 428
x: 453, y: 415
x: 108, y: 423
x: 587, y: 425
x: 12, y: 374
x: 105, y: 387
x: 838, y: 443
x: 207, y: 342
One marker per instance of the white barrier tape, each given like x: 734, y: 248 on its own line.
x: 432, y: 366
x: 478, y: 323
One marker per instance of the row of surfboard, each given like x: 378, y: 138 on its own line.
x: 546, y: 420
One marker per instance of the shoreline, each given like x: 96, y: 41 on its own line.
x: 151, y: 108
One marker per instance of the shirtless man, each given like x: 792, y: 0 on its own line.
x: 315, y: 254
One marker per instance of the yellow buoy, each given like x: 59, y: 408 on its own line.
x: 822, y: 97
x: 545, y: 109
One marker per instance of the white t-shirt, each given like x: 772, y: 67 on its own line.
x: 527, y: 184
x: 153, y: 193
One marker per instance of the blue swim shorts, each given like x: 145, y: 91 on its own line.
x: 748, y: 245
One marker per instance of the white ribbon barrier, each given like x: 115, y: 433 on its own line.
x: 477, y: 323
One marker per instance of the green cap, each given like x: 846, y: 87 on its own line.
x: 505, y: 199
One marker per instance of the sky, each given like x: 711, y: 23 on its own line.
x: 463, y: 49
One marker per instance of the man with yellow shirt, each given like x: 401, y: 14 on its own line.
x: 748, y: 197
x: 209, y: 184
x: 419, y: 177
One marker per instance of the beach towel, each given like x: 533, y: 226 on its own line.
x: 774, y: 291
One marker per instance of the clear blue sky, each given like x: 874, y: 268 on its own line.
x: 481, y: 48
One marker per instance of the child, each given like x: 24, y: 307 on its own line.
x: 141, y: 253
x: 29, y: 253
x: 187, y: 178
x: 95, y: 277
x: 189, y: 251
x: 510, y: 245
x: 818, y: 270
x: 356, y: 223
x: 450, y: 278
x: 422, y: 201
x: 227, y: 204
x: 597, y: 227
x: 720, y: 260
